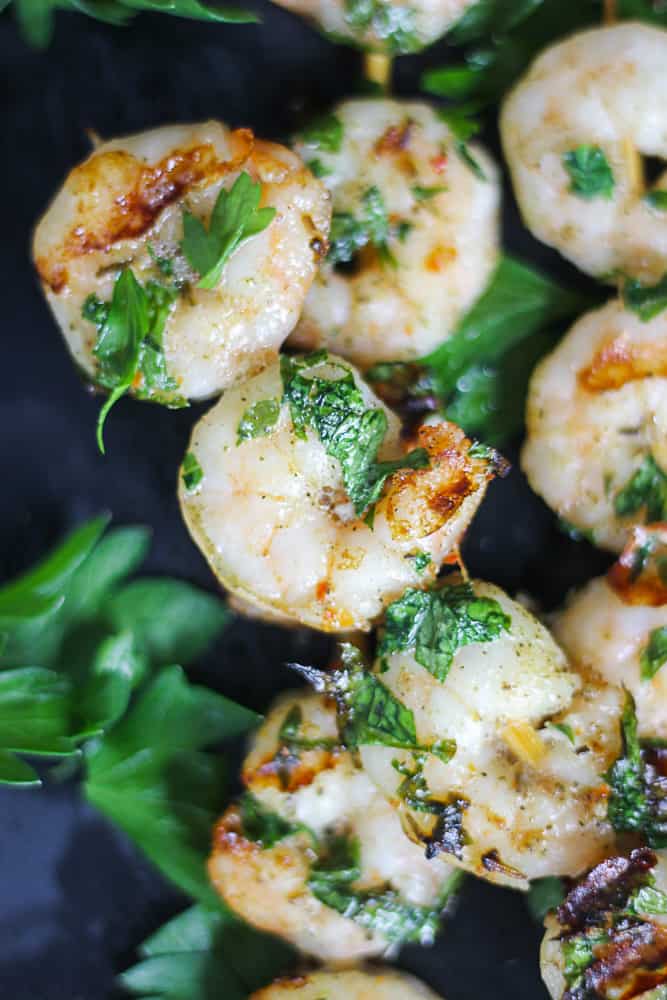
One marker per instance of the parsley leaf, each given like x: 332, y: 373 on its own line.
x: 657, y: 199
x: 129, y: 348
x: 191, y: 472
x: 151, y: 776
x: 35, y: 718
x: 422, y: 193
x: 638, y: 799
x: 647, y: 901
x: 205, y: 954
x: 348, y: 235
x: 261, y: 825
x: 545, y: 894
x: 654, y: 655
x: 368, y: 713
x: 324, y: 132
x: 236, y: 217
x: 437, y: 623
x: 647, y: 301
x: 351, y: 432
x: 382, y: 911
x: 646, y: 490
x: 36, y: 19
x: 258, y: 420
x: 590, y: 173
x: 579, y: 953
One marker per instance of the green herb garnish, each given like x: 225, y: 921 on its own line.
x: 258, y: 420
x: 421, y: 561
x: 646, y: 490
x: 394, y: 25
x: 544, y: 895
x: 191, y: 472
x: 657, y: 199
x: 348, y: 234
x: 350, y: 431
x: 261, y: 825
x: 647, y: 301
x: 422, y: 193
x: 437, y: 623
x: 235, y: 218
x: 654, y: 654
x: 324, y: 132
x: 590, y: 173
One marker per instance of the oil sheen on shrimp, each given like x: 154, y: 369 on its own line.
x: 319, y: 790
x: 390, y: 26
x: 609, y: 937
x: 596, y: 447
x: 272, y: 516
x: 124, y: 205
x: 433, y: 236
x: 599, y: 98
x: 616, y: 625
x: 522, y: 797
x: 373, y: 984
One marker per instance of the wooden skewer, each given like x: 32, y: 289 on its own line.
x: 609, y: 14
x: 94, y: 138
x: 635, y: 165
x: 377, y: 68
x: 524, y: 742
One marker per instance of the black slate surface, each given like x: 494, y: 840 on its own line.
x: 75, y: 898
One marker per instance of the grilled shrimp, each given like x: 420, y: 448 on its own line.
x: 596, y: 447
x: 299, y: 777
x: 390, y: 26
x: 574, y: 130
x: 414, y: 237
x: 372, y: 984
x: 617, y: 626
x: 274, y: 509
x: 522, y: 797
x: 124, y: 207
x: 609, y: 937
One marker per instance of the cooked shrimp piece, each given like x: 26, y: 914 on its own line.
x: 390, y: 26
x: 522, y: 797
x: 373, y: 984
x: 596, y: 447
x: 124, y: 207
x: 415, y: 231
x: 310, y: 804
x: 609, y: 937
x: 574, y: 131
x: 285, y: 499
x: 617, y: 626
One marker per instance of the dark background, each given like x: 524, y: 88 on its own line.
x: 75, y: 897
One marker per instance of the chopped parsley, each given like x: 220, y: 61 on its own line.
x: 436, y: 623
x: 191, y: 472
x: 348, y: 234
x: 447, y: 835
x: 638, y: 799
x: 657, y: 199
x: 317, y: 168
x: 261, y: 825
x: 350, y: 431
x: 647, y: 301
x: 544, y: 895
x: 420, y: 561
x: 128, y: 349
x: 290, y: 737
x: 368, y: 713
x: 165, y: 265
x: 589, y: 171
x: 324, y: 132
x: 422, y: 193
x: 647, y: 489
x: 258, y: 420
x: 563, y: 728
x: 579, y: 953
x: 383, y: 911
x: 654, y: 654
x: 395, y: 25
x: 236, y: 217
x: 647, y: 901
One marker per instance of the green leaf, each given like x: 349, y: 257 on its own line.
x: 647, y: 301
x: 590, y: 173
x: 324, y: 132
x: 647, y: 901
x: 654, y: 654
x: 150, y: 776
x: 172, y: 620
x: 191, y: 472
x: 437, y: 623
x: 422, y: 193
x: 350, y: 432
x: 544, y: 895
x: 117, y: 668
x: 368, y: 713
x: 348, y: 235
x: 35, y: 718
x: 235, y: 218
x: 261, y: 825
x: 393, y: 25
x: 205, y: 954
x: 579, y: 953
x: 646, y: 490
x: 115, y: 556
x: 657, y: 199
x: 125, y: 326
x: 258, y: 420
x: 194, y: 10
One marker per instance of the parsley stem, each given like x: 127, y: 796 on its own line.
x: 119, y: 391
